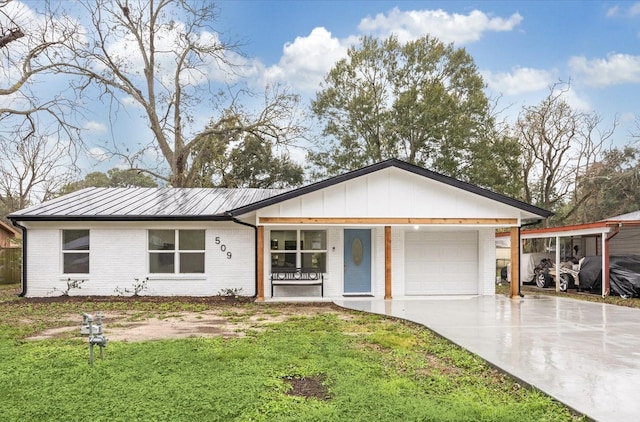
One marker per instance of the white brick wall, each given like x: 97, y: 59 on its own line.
x: 487, y: 261
x: 118, y: 255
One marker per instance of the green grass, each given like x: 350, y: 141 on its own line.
x: 374, y: 369
x: 588, y: 297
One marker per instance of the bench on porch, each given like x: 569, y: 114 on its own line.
x: 297, y: 277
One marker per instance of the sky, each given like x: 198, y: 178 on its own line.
x: 521, y: 48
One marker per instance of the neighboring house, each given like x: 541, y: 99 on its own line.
x: 613, y: 236
x: 8, y: 236
x: 389, y: 229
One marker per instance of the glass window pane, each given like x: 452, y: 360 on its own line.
x: 161, y: 263
x: 76, y: 263
x: 192, y: 262
x: 75, y: 240
x: 283, y: 261
x: 191, y: 240
x: 314, y: 261
x: 315, y: 240
x: 283, y: 240
x: 162, y: 240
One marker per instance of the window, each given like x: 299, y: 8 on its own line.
x: 306, y: 249
x: 75, y: 251
x: 176, y: 251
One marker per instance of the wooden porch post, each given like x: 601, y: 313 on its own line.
x: 260, y: 265
x: 515, y: 262
x: 387, y: 262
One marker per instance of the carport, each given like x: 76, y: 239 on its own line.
x: 614, y: 236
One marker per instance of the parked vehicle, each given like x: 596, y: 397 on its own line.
x: 528, y: 264
x: 624, y: 275
x: 547, y: 274
x: 539, y: 268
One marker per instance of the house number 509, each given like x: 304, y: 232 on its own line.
x: 223, y: 247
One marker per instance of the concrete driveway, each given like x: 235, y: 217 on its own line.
x: 586, y: 355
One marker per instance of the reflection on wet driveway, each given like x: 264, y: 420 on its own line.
x: 584, y: 354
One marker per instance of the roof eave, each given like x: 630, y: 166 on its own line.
x: 17, y: 218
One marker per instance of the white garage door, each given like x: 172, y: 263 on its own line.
x: 441, y: 263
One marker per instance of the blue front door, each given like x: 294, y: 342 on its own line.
x: 357, y: 261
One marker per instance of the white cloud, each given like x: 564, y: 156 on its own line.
x: 448, y: 27
x: 631, y: 11
x: 306, y: 60
x: 98, y: 153
x: 520, y: 80
x: 95, y: 127
x: 576, y: 100
x: 615, y: 69
x: 613, y: 11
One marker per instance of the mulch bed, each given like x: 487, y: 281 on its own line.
x: 208, y: 300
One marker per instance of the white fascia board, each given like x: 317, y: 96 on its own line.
x: 568, y: 233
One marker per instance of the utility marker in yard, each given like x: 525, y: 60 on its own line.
x: 96, y: 336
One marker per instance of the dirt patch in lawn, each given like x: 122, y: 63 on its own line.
x: 224, y: 321
x: 308, y: 387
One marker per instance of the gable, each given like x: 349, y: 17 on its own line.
x: 356, y: 196
x: 392, y: 193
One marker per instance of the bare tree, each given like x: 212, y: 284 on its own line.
x: 31, y: 171
x: 609, y: 187
x: 164, y: 59
x: 32, y: 51
x: 38, y: 140
x: 558, y: 144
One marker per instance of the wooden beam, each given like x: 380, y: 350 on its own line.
x: 386, y: 221
x: 387, y: 262
x: 515, y: 262
x: 260, y: 265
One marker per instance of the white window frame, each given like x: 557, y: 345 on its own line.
x: 298, y: 251
x: 74, y: 251
x: 176, y: 252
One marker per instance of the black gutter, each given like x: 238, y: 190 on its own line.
x: 255, y: 248
x: 112, y: 218
x: 24, y: 258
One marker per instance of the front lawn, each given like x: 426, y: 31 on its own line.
x: 331, y: 366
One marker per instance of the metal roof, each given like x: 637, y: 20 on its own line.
x: 392, y: 162
x: 215, y: 203
x: 597, y: 227
x: 631, y: 216
x: 145, y: 204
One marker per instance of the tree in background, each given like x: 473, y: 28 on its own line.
x: 245, y: 162
x: 38, y: 139
x: 31, y: 171
x: 164, y: 57
x: 422, y: 102
x: 559, y: 144
x: 32, y: 49
x: 610, y: 187
x: 114, y: 178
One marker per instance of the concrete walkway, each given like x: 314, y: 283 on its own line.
x: 584, y: 354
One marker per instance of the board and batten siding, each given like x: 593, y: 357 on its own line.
x: 627, y: 242
x: 390, y: 193
x: 118, y: 255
